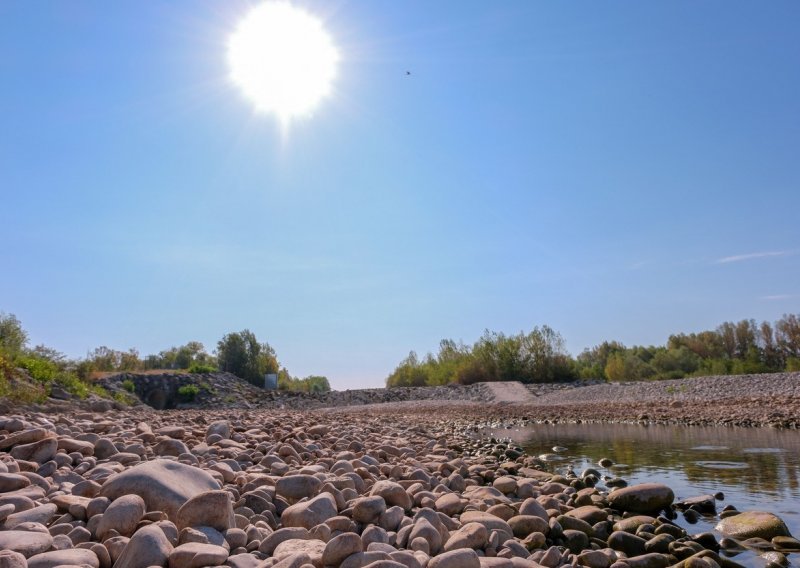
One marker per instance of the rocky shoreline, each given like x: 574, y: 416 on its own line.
x: 374, y: 486
x: 771, y: 400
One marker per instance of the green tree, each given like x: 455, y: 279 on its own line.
x: 316, y: 384
x: 13, y: 339
x: 592, y: 362
x: 615, y: 367
x: 787, y: 332
x: 409, y: 373
x: 241, y: 354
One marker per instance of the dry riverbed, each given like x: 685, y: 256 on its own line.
x: 384, y: 486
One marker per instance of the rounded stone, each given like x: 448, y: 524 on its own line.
x: 462, y: 558
x: 368, y: 509
x: 295, y: 487
x: 196, y: 554
x: 642, y: 498
x: 753, y: 524
x: 25, y: 542
x: 340, y: 547
x: 163, y: 484
x: 313, y: 548
x: 70, y: 556
x: 12, y: 482
x: 210, y: 509
x: 122, y: 515
x: 311, y: 513
x: 523, y: 525
x: 11, y: 559
x: 149, y: 546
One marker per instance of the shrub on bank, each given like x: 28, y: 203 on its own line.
x: 201, y: 368
x: 188, y: 392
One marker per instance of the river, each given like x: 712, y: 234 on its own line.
x: 756, y: 469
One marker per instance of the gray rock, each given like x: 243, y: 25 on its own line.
x: 40, y: 452
x: 368, y: 509
x: 311, y: 513
x: 11, y: 559
x: 523, y: 525
x: 471, y: 535
x: 25, y: 542
x: 210, y: 509
x: 164, y: 485
x: 196, y: 555
x: 340, y: 547
x: 269, y: 544
x: 12, y: 482
x: 122, y: 515
x: 296, y: 487
x: 149, y: 546
x: 42, y: 514
x: 392, y: 493
x: 71, y: 556
x: 642, y: 498
x: 462, y: 558
x: 220, y: 428
x: 751, y: 524
x: 630, y: 544
x: 295, y: 547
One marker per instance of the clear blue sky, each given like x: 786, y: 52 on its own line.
x: 614, y: 170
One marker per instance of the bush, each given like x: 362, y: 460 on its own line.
x: 73, y: 385
x: 40, y: 370
x: 201, y: 368
x: 129, y: 385
x: 188, y: 392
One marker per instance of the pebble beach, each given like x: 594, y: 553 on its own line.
x: 404, y: 484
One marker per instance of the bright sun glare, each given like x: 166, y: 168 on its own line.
x: 282, y: 59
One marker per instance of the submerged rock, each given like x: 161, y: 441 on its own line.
x: 753, y: 524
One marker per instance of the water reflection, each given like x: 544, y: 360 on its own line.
x: 755, y: 468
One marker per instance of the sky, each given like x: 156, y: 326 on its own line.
x: 620, y: 170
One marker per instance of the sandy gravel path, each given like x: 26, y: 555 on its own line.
x: 509, y: 392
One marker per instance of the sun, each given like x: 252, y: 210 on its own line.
x: 282, y: 59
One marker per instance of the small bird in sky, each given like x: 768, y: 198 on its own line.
x: 408, y: 72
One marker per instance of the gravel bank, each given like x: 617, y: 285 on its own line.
x: 347, y: 488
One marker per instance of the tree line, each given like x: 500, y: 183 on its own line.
x: 239, y: 353
x: 733, y: 348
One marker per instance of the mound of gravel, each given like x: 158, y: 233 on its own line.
x: 699, y: 389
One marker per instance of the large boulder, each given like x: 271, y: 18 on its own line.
x: 642, y: 498
x: 164, y: 485
x: 753, y: 524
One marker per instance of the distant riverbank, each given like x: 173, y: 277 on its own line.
x: 746, y: 400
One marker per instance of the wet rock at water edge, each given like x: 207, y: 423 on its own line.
x: 751, y: 524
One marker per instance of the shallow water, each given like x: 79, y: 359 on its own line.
x: 756, y: 468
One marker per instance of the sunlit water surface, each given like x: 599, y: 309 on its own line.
x: 756, y: 468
